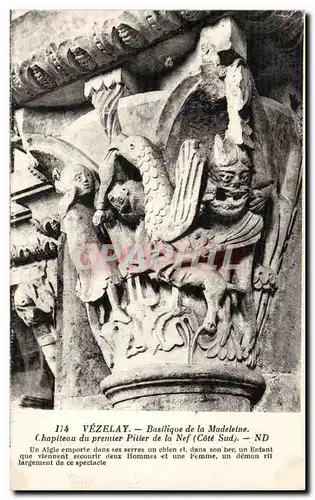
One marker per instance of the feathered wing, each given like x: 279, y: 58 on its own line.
x: 188, y: 175
x: 246, y: 232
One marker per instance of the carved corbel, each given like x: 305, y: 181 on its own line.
x: 105, y: 91
x: 101, y: 47
x: 37, y: 76
x: 31, y: 78
x: 75, y: 57
x: 58, y: 62
x: 131, y: 31
x: 72, y: 58
x: 35, y: 305
x: 79, y: 56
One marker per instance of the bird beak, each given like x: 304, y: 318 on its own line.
x: 117, y: 141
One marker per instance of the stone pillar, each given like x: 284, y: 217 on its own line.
x: 80, y: 363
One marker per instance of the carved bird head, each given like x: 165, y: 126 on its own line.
x: 136, y: 149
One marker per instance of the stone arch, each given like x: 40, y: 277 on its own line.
x: 173, y: 106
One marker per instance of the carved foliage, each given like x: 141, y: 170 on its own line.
x: 103, y: 45
x: 40, y: 249
x: 105, y: 92
x: 41, y: 77
x: 114, y: 40
x: 48, y: 227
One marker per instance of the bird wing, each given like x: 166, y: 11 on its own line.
x: 188, y: 175
x: 246, y: 232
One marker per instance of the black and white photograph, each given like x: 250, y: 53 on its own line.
x: 156, y: 190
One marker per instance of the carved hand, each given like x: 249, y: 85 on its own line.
x: 99, y: 217
x: 264, y: 278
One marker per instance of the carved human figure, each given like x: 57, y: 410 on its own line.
x: 228, y: 201
x: 120, y: 213
x: 35, y: 305
x: 96, y: 275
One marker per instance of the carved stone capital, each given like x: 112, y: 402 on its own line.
x: 175, y: 234
x: 215, y: 330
